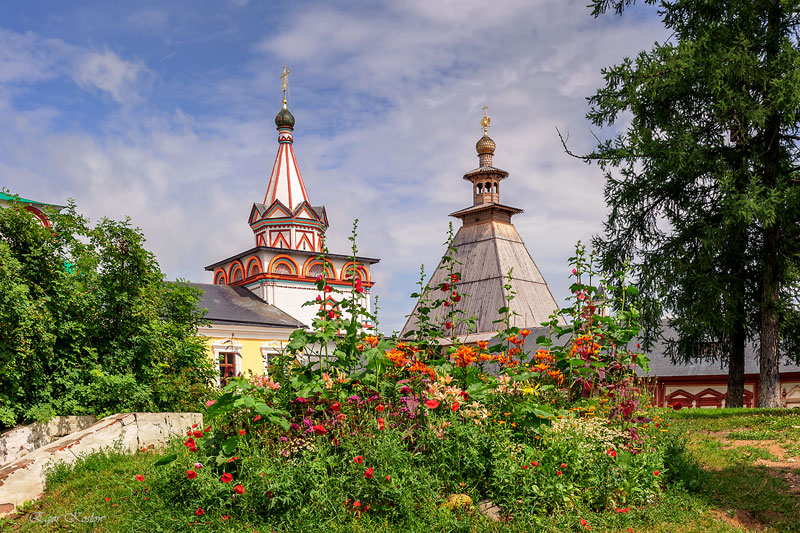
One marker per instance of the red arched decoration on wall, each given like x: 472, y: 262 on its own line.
x: 39, y: 214
x: 363, y: 271
x: 311, y: 261
x: 283, y: 260
x: 220, y: 278
x: 254, y: 266
x: 236, y: 272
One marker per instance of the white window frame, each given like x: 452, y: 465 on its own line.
x: 224, y: 346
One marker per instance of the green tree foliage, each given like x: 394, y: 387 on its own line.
x: 88, y: 324
x: 701, y: 182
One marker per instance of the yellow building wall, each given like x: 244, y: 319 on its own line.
x: 252, y: 358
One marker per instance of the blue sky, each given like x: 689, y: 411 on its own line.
x: 163, y: 111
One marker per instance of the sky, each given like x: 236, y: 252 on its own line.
x: 164, y: 112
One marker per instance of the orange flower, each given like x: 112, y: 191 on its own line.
x: 464, y: 356
x: 371, y: 340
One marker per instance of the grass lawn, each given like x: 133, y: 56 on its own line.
x: 749, y: 480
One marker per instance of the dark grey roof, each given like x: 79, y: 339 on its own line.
x: 228, y: 304
x: 364, y: 260
x: 662, y: 365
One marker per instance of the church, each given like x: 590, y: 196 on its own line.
x: 488, y: 247
x: 257, y: 296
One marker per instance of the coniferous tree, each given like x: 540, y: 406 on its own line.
x: 702, y: 182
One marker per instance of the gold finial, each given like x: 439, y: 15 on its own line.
x: 485, y: 121
x: 285, y: 82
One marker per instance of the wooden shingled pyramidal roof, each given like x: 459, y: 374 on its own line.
x: 488, y: 246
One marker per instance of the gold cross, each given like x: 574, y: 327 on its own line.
x: 485, y: 121
x: 285, y: 82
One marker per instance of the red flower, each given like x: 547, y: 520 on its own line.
x: 445, y: 287
x: 358, y: 459
x: 612, y: 452
x: 446, y: 303
x: 336, y: 406
x: 242, y: 432
x: 380, y: 408
x: 454, y: 278
x: 677, y: 406
x: 198, y: 434
x: 199, y: 511
x: 193, y: 448
x: 238, y: 489
x: 140, y: 477
x: 524, y: 467
x: 585, y: 524
x: 319, y: 429
x: 107, y: 499
x: 455, y: 406
x: 357, y: 503
x: 656, y: 473
x: 368, y: 474
x: 563, y: 465
x: 319, y: 298
x: 448, y: 325
x: 455, y: 297
x: 381, y: 425
x: 191, y: 474
x: 464, y: 395
x: 328, y: 288
x: 331, y: 314
x: 189, y: 442
x: 534, y: 463
x: 431, y: 404
x: 226, y: 478
x: 257, y: 418
x: 558, y: 473
x: 319, y: 278
x: 388, y: 478
x: 207, y: 429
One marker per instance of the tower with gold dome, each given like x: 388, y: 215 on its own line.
x: 488, y: 247
x: 283, y: 266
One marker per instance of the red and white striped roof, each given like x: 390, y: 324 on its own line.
x: 285, y: 182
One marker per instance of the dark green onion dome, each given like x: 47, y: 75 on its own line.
x: 284, y: 119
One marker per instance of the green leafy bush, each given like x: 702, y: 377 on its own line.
x: 88, y: 324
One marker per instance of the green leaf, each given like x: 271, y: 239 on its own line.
x: 166, y: 460
x: 229, y: 445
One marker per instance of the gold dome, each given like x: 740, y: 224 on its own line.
x: 485, y: 145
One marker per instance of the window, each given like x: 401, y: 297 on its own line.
x: 227, y: 367
x: 227, y: 360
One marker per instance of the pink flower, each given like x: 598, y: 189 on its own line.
x: 574, y: 271
x: 209, y: 403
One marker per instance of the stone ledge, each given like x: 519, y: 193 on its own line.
x: 18, y: 442
x: 24, y: 478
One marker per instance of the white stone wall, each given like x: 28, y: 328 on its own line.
x: 24, y: 479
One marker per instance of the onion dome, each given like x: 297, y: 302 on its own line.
x: 485, y: 145
x: 284, y: 118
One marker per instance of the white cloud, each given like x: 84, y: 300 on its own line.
x: 108, y: 72
x: 387, y: 102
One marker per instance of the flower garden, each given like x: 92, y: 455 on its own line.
x: 428, y: 434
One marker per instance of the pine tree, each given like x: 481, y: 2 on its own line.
x: 702, y: 182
